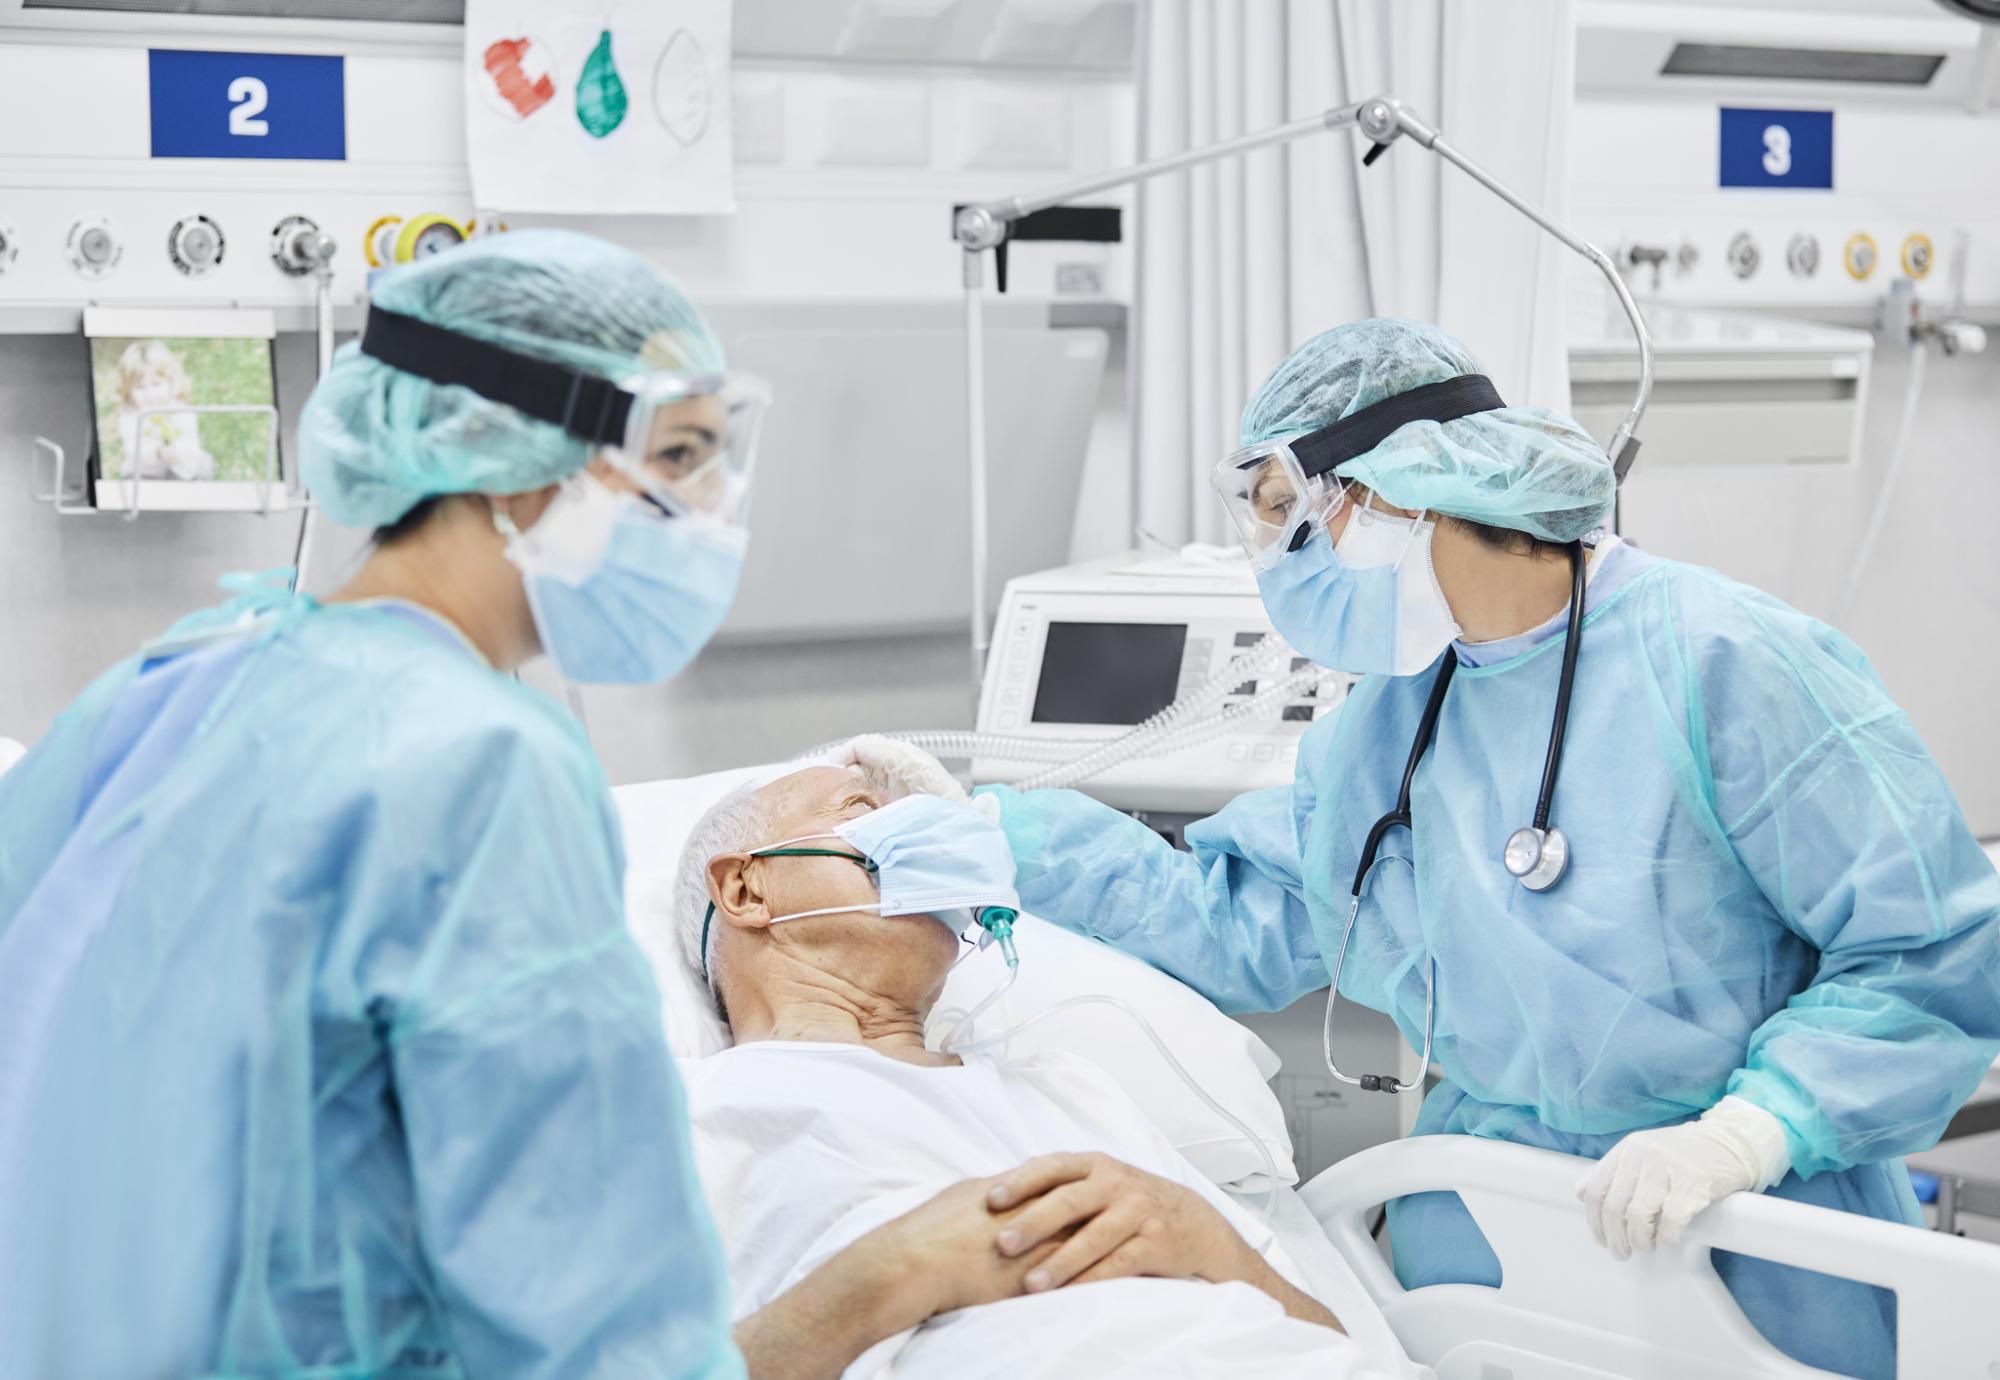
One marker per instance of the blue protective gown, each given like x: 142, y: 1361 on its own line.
x: 1772, y: 893
x: 323, y: 1048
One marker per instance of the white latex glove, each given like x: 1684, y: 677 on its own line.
x: 905, y: 770
x: 1653, y: 1182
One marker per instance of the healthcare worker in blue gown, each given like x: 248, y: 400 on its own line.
x: 323, y: 1048
x: 1772, y: 962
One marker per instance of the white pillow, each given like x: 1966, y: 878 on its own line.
x: 657, y: 817
x: 1229, y: 1061
x: 1225, y: 1057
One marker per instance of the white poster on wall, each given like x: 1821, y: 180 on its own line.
x: 599, y: 106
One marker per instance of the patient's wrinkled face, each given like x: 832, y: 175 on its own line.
x: 905, y: 955
x: 811, y: 802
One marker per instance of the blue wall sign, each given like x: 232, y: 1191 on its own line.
x: 247, y: 105
x: 1776, y: 148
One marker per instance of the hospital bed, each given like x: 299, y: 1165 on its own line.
x: 1564, y: 1310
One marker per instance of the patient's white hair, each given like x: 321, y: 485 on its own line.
x: 734, y: 824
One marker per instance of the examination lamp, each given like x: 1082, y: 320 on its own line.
x: 988, y: 225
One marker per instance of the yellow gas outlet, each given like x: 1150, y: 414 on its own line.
x: 1918, y: 255
x: 1860, y: 255
x: 378, y: 245
x: 422, y: 236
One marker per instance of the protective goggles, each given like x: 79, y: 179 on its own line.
x: 688, y: 441
x: 1279, y: 492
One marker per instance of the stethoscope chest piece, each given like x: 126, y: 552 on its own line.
x: 1536, y: 857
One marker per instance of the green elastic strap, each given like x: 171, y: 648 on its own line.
x: 867, y: 865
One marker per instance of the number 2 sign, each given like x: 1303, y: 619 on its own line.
x: 247, y: 105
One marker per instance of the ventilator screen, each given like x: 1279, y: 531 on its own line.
x: 1108, y: 673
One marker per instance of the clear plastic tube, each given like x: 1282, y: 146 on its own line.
x: 963, y: 744
x: 1140, y: 740
x: 980, y: 1008
x: 1857, y: 568
x: 951, y: 1046
x: 1172, y: 737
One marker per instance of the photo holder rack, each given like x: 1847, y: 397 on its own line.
x: 76, y: 502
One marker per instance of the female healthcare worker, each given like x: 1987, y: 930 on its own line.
x: 1774, y: 940
x: 323, y: 1048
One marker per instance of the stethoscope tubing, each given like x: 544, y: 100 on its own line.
x: 1399, y: 817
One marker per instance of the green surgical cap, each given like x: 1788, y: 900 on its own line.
x: 375, y: 441
x: 1526, y: 468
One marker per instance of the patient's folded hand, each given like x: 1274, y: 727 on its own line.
x: 941, y: 1256
x: 1108, y: 1220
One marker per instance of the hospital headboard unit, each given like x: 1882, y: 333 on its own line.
x: 986, y: 226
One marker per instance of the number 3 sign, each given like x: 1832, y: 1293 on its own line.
x: 1776, y: 148
x: 247, y: 105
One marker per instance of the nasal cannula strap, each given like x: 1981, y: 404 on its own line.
x: 782, y: 851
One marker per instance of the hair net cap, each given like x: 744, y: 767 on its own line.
x: 1525, y: 468
x: 375, y: 441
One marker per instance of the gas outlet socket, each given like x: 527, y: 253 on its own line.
x: 10, y: 245
x: 92, y: 248
x: 1918, y: 255
x: 1743, y: 254
x: 1802, y: 255
x: 1859, y: 255
x: 299, y: 246
x: 195, y: 246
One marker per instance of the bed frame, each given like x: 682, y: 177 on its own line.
x: 1567, y: 1311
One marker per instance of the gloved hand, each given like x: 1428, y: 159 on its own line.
x: 1653, y: 1182
x: 903, y: 769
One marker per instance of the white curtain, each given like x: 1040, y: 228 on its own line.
x: 1239, y: 261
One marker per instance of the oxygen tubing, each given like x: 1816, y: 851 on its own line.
x: 950, y: 1045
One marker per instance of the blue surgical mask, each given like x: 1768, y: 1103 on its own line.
x: 937, y: 857
x: 621, y: 593
x: 930, y: 856
x: 1367, y: 605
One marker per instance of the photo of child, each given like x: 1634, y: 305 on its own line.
x: 145, y: 392
x: 157, y: 444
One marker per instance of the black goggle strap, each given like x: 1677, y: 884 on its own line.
x: 866, y: 864
x: 588, y: 406
x: 1318, y: 452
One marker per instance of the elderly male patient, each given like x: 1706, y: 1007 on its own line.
x: 1017, y: 1219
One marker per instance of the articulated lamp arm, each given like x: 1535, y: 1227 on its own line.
x: 984, y: 225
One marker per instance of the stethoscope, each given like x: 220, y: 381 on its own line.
x: 1536, y: 855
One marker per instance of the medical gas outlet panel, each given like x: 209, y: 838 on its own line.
x: 1082, y: 654
x: 60, y: 254
x: 1802, y: 263
x: 1810, y: 206
x: 219, y: 166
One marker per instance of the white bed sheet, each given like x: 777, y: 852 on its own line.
x: 803, y: 1148
x: 1329, y: 1279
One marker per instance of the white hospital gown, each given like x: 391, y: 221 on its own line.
x: 805, y: 1147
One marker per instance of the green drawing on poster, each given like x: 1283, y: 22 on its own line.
x: 600, y: 95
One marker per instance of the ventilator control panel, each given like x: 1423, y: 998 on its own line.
x: 1086, y: 653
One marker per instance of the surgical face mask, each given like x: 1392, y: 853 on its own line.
x: 621, y: 593
x: 928, y: 855
x: 1369, y: 604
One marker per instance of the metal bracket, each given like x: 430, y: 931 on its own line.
x: 68, y: 504
x: 77, y: 503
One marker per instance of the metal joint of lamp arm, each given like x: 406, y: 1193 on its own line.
x: 1383, y: 119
